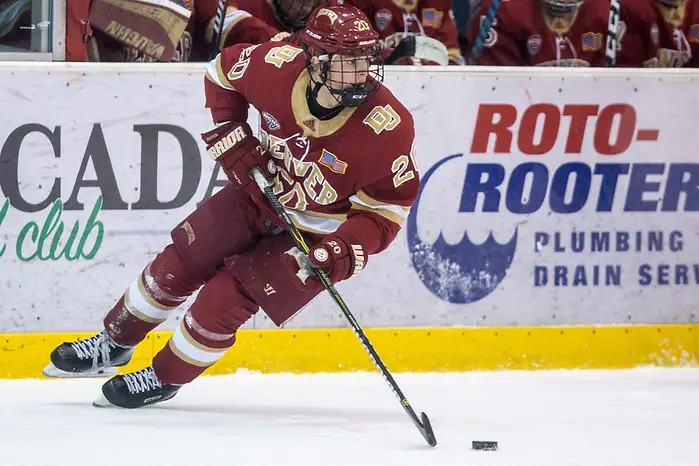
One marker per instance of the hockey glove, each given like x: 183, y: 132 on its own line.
x: 233, y: 146
x: 340, y: 260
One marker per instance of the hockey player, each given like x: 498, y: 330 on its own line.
x: 544, y: 33
x: 659, y: 34
x: 245, y: 21
x: 257, y: 21
x: 396, y: 19
x: 339, y: 149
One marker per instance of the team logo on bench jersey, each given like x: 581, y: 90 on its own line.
x: 382, y: 18
x: 534, y: 44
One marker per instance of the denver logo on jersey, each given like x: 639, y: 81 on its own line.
x: 332, y: 162
x: 591, y: 41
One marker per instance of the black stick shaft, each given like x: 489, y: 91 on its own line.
x: 612, y: 44
x: 218, y: 28
x: 424, y: 427
x: 483, y: 32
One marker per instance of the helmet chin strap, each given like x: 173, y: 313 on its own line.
x: 350, y: 96
x: 317, y: 86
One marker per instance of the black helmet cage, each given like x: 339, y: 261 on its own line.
x: 346, y: 94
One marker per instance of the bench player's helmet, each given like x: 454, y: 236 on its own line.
x: 294, y: 14
x: 343, y: 53
x: 672, y: 3
x: 561, y: 7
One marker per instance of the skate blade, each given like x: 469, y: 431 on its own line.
x: 102, y: 402
x: 54, y: 372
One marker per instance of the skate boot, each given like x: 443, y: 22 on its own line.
x: 98, y: 356
x: 135, y: 390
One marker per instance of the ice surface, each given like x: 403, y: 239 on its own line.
x: 593, y: 418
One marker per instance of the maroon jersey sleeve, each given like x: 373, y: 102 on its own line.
x: 242, y: 26
x: 635, y: 38
x: 248, y: 30
x: 381, y: 204
x: 501, y: 45
x: 239, y: 25
x: 233, y: 78
x: 77, y: 30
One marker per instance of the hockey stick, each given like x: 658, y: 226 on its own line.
x: 483, y: 32
x: 612, y: 33
x: 218, y: 26
x: 422, y: 47
x: 424, y: 427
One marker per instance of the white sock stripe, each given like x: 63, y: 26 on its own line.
x: 138, y: 303
x: 138, y: 314
x: 158, y: 292
x: 149, y: 298
x: 194, y: 325
x: 184, y: 357
x: 184, y: 346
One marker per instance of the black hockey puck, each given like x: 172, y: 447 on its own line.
x: 484, y: 445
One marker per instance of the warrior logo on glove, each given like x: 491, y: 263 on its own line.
x: 226, y: 142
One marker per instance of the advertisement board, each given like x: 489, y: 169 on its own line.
x: 549, y: 197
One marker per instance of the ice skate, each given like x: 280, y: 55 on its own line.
x: 135, y: 390
x: 98, y: 356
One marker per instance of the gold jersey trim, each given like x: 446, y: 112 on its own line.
x: 312, y: 126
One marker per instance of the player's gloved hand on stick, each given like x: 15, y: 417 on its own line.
x: 333, y: 254
x: 234, y: 147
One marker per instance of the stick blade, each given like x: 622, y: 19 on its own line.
x: 422, y: 47
x: 427, y: 431
x: 431, y: 49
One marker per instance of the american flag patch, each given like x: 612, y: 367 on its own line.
x: 694, y: 33
x: 432, y: 18
x: 591, y: 41
x: 333, y: 163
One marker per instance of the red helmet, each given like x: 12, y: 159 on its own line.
x: 341, y: 28
x: 343, y: 54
